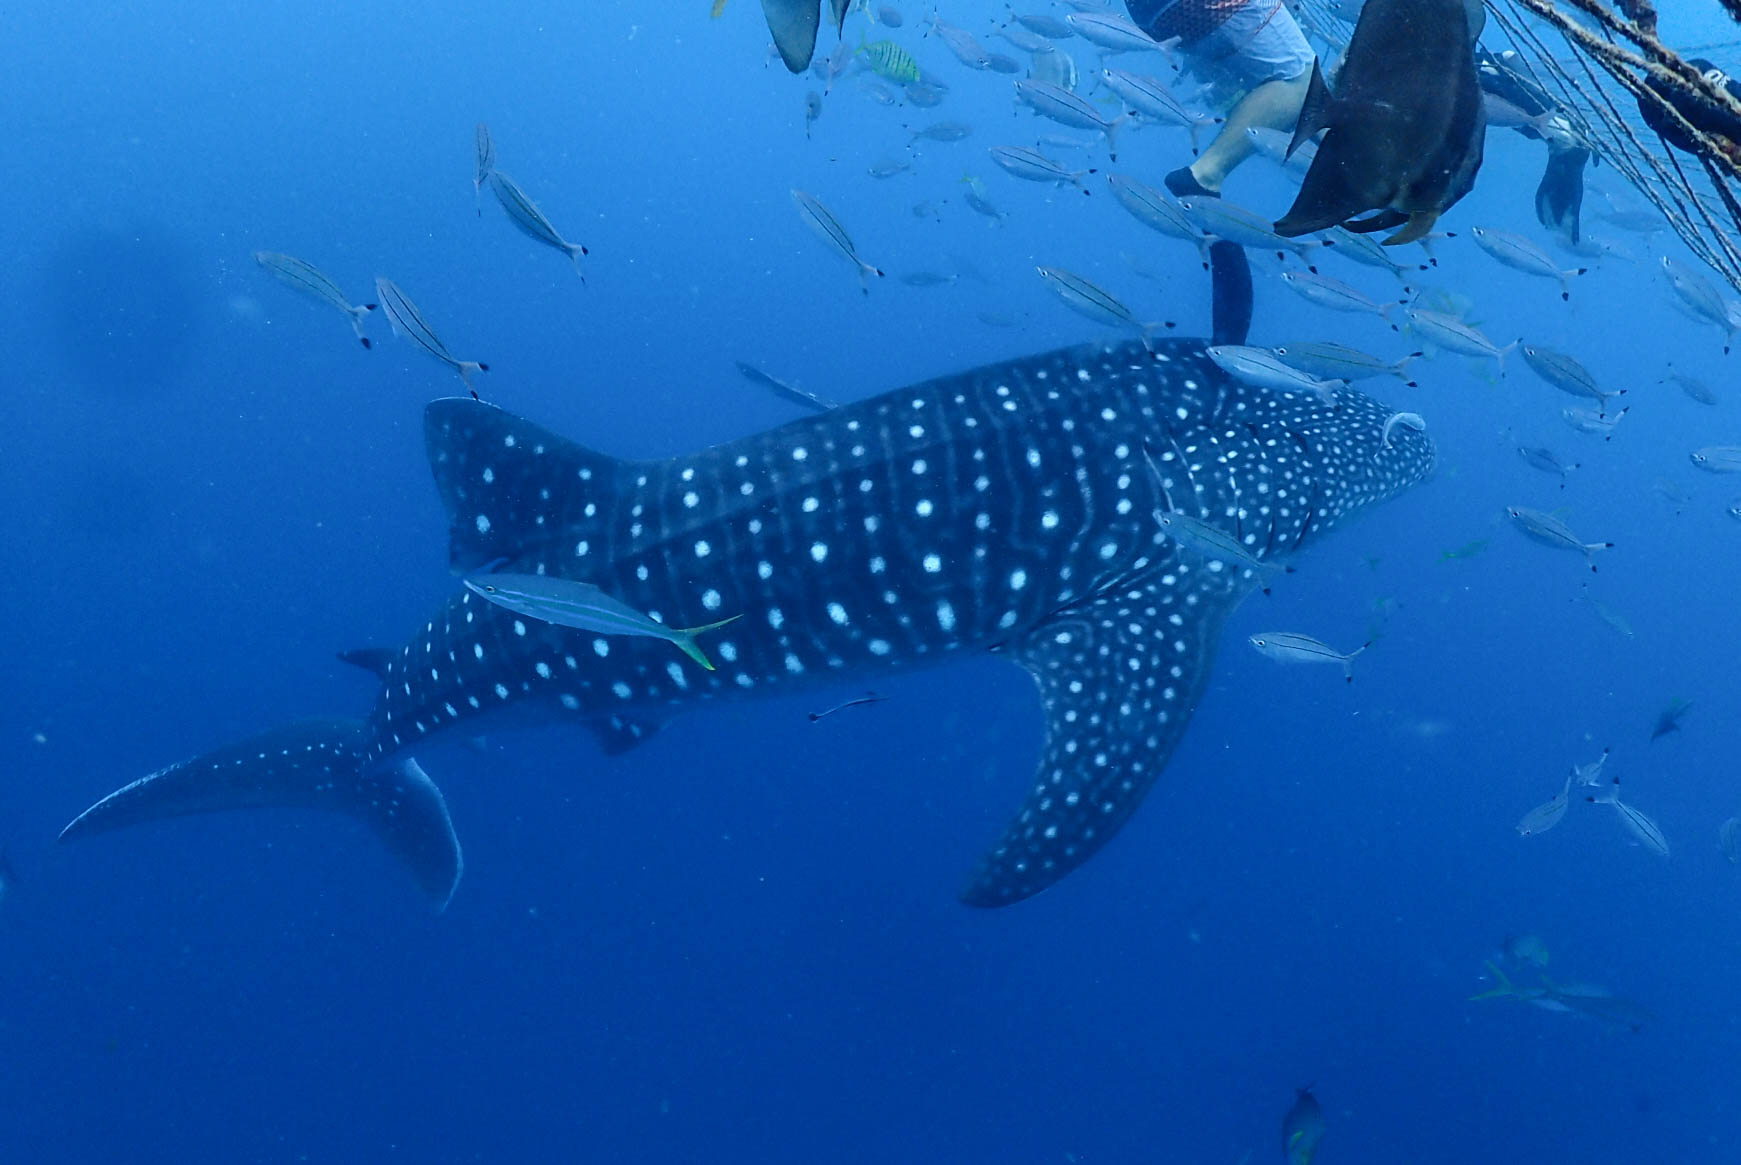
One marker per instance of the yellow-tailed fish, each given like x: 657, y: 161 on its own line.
x: 567, y: 602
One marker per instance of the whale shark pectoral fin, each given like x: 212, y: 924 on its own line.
x: 1119, y: 678
x: 374, y: 660
x: 317, y: 764
x: 509, y: 485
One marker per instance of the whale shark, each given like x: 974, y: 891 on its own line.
x: 1007, y: 509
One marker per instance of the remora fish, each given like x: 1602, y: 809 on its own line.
x: 790, y: 391
x: 1406, y: 125
x: 1003, y: 508
x: 313, y: 282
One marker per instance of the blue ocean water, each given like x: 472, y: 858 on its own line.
x: 740, y: 941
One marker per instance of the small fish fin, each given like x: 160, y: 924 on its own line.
x: 317, y: 764
x: 1348, y: 661
x: 374, y: 660
x: 618, y: 734
x: 509, y: 485
x: 1317, y: 112
x: 684, y: 638
x: 1114, y: 715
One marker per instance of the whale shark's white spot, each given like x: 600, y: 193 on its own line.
x: 519, y: 627
x: 622, y: 690
x: 727, y: 650
x: 1049, y: 520
x: 601, y: 647
x: 501, y: 692
x: 800, y: 453
x: 765, y: 569
x: 878, y: 564
x: 691, y: 499
x: 478, y: 650
x: 819, y: 551
x: 675, y: 671
x: 879, y: 646
x: 794, y: 664
x: 570, y: 701
x: 776, y: 618
x: 810, y: 505
x: 932, y: 564
x: 483, y: 524
x: 489, y: 475
x: 543, y: 670
x: 945, y: 615
x: 916, y: 432
x: 1018, y: 579
x: 702, y: 549
x: 837, y: 613
x: 924, y: 508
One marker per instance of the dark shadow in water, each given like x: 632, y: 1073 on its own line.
x: 124, y: 308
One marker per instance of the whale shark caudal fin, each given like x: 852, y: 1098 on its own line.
x: 493, y: 471
x: 317, y: 764
x: 1119, y: 677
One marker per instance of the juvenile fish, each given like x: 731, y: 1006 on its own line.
x: 1593, y: 420
x: 962, y: 43
x: 1095, y: 302
x: 312, y: 282
x: 942, y: 131
x: 1546, y: 815
x: 408, y: 322
x: 812, y: 110
x: 1262, y: 368
x: 529, y: 220
x: 891, y: 62
x: 1291, y: 647
x: 888, y: 168
x: 569, y: 603
x: 1550, y: 531
x: 1520, y: 254
x: 1037, y: 167
x: 821, y: 220
x: 977, y: 199
x: 486, y: 147
x: 1717, y: 458
x: 1340, y: 362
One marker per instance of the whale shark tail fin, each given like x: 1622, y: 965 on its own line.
x: 315, y: 764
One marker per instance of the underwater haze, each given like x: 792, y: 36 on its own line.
x: 741, y: 941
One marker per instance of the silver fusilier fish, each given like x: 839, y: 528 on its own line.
x: 1066, y: 108
x: 1095, y: 302
x: 486, y: 148
x: 1717, y: 458
x: 408, y: 322
x: 1340, y: 362
x: 1546, y: 815
x: 1264, y: 369
x: 1567, y: 374
x: 312, y: 282
x: 821, y: 220
x: 1037, y: 167
x: 1292, y: 647
x: 1550, y: 531
x: 1447, y: 331
x: 529, y: 220
x: 1520, y: 254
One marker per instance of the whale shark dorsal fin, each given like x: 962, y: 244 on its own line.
x: 374, y: 660
x: 510, y: 485
x: 1119, y: 679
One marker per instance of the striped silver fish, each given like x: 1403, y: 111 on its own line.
x: 486, y: 164
x: 1115, y: 34
x: 1095, y: 302
x: 1340, y: 362
x: 821, y: 220
x: 1636, y: 822
x: 1520, y: 254
x: 312, y: 282
x: 1717, y: 458
x: 1448, y: 332
x: 408, y: 322
x: 1546, y: 815
x: 1264, y: 368
x: 1151, y: 98
x: 1036, y: 167
x: 1699, y: 297
x: 1066, y: 108
x: 568, y: 602
x: 1566, y: 374
x: 1292, y: 647
x: 1335, y: 294
x: 529, y: 220
x: 1550, y: 531
x: 1235, y: 224
x: 1156, y: 210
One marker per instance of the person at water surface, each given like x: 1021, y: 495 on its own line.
x: 1253, y: 44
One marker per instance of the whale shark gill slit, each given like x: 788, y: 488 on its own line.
x: 1004, y: 509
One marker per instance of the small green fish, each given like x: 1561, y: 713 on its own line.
x: 1302, y: 1129
x: 1467, y: 550
x: 568, y: 602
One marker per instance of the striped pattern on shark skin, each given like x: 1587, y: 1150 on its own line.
x: 1006, y: 509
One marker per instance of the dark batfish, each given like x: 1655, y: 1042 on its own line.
x: 1406, y: 124
x: 1003, y: 510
